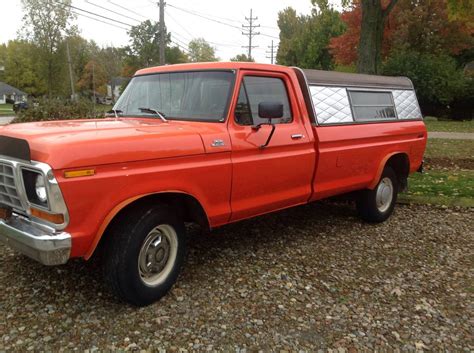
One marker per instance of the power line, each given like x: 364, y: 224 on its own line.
x: 179, y: 24
x: 203, y: 16
x: 117, y: 13
x: 209, y: 15
x: 250, y: 33
x: 181, y: 47
x: 94, y: 14
x: 209, y: 18
x: 180, y: 41
x: 124, y: 8
x: 96, y: 19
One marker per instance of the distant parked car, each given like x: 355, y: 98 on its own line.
x: 18, y: 106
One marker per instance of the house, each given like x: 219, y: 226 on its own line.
x: 115, y: 87
x: 10, y: 93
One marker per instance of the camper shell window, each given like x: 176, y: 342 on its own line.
x: 372, y: 105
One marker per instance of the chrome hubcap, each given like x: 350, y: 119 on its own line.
x: 384, y: 195
x: 158, y: 254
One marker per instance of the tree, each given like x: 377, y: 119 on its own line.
x: 47, y: 22
x: 242, y: 58
x: 304, y: 40
x: 22, y: 67
x: 436, y: 77
x: 422, y: 26
x: 374, y: 16
x: 174, y: 55
x: 94, y: 77
x: 144, y: 48
x: 201, y: 51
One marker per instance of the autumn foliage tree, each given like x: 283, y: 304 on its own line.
x: 424, y: 26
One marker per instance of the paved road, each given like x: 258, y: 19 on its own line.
x: 451, y: 135
x: 4, y: 120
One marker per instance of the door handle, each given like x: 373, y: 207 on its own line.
x: 297, y: 136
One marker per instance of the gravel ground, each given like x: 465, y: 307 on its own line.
x: 308, y: 278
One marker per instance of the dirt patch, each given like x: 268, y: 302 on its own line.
x: 448, y: 163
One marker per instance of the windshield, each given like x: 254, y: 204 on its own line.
x: 200, y: 95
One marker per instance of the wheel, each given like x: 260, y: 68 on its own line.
x: 144, y: 253
x: 377, y: 205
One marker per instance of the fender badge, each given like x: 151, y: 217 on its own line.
x: 218, y: 143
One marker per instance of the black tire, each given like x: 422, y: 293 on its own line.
x: 366, y: 203
x: 125, y: 242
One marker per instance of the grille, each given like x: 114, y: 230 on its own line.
x: 8, y: 192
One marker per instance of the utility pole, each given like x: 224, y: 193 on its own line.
x: 161, y: 4
x: 249, y: 32
x: 271, y: 53
x: 93, y: 83
x: 71, y: 78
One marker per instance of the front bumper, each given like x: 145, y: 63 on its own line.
x: 40, y: 243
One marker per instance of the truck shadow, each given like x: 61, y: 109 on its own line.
x: 81, y: 282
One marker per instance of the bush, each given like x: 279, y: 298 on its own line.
x: 437, y: 79
x: 56, y: 109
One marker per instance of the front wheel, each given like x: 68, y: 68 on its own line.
x: 144, y: 254
x: 377, y: 205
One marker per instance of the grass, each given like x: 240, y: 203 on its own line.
x: 6, y: 110
x: 451, y: 188
x: 450, y: 126
x: 453, y: 149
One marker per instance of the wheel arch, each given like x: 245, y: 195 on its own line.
x: 189, y: 207
x: 400, y: 163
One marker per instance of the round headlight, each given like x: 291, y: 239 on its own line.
x: 40, y: 188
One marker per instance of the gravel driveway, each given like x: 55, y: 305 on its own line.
x: 306, y: 278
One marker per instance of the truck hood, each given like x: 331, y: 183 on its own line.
x: 80, y: 143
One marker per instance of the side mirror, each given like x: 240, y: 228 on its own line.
x: 270, y: 110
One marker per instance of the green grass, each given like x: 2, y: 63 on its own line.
x: 441, y: 187
x: 103, y: 107
x: 6, y: 110
x: 453, y: 149
x: 450, y: 126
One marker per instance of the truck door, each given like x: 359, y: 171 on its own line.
x: 278, y: 175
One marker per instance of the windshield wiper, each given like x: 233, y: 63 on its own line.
x: 153, y: 111
x: 115, y: 112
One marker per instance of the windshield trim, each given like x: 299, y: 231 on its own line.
x: 228, y: 102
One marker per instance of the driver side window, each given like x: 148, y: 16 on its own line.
x: 255, y: 90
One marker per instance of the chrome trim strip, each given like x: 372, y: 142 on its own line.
x: 37, y: 242
x: 55, y: 198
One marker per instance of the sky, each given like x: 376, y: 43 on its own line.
x: 218, y: 22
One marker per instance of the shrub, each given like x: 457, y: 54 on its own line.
x: 438, y: 81
x: 56, y: 109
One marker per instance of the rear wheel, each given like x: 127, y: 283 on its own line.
x: 144, y: 254
x: 378, y: 204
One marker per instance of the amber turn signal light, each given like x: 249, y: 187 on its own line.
x: 54, y: 218
x: 79, y: 173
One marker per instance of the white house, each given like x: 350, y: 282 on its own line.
x: 10, y: 92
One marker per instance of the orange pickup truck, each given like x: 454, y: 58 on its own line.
x: 210, y: 143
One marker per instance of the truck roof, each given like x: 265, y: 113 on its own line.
x: 313, y: 77
x: 334, y: 78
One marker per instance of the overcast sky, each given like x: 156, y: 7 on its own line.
x: 227, y: 38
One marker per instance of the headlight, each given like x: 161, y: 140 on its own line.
x: 40, y: 189
x: 35, y: 187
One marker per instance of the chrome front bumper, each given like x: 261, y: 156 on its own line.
x: 35, y: 241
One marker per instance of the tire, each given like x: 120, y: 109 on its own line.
x: 377, y: 205
x: 144, y: 253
